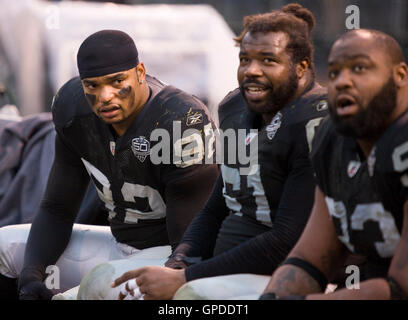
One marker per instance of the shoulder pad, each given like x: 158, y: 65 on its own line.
x: 69, y: 102
x: 313, y: 104
x: 233, y: 104
x: 155, y: 83
x: 317, y: 97
x: 177, y: 100
x: 177, y: 105
x: 392, y: 147
x: 323, y: 135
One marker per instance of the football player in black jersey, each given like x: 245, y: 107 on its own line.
x: 360, y: 159
x: 252, y: 220
x: 140, y: 142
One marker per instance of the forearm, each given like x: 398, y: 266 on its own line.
x: 259, y: 255
x: 200, y: 236
x: 373, y: 289
x: 42, y: 250
x: 289, y: 280
x: 52, y: 226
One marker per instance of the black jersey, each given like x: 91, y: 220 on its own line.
x: 135, y: 174
x: 258, y: 213
x: 283, y: 145
x: 365, y: 196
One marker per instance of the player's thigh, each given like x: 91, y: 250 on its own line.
x: 89, y: 246
x: 13, y: 241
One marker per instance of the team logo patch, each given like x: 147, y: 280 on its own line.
x: 352, y: 168
x: 141, y: 148
x: 194, y: 119
x: 322, y: 105
x: 112, y: 146
x: 273, y: 127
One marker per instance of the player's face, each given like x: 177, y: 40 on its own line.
x: 361, y: 90
x: 266, y: 74
x: 116, y: 97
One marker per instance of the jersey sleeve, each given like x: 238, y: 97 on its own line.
x: 321, y: 153
x: 185, y: 197
x: 199, y: 239
x: 399, y: 157
x: 263, y: 253
x: 52, y: 225
x: 391, y: 167
x: 190, y: 177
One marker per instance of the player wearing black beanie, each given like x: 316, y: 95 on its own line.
x: 104, y: 136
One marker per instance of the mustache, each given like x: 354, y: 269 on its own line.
x: 256, y: 82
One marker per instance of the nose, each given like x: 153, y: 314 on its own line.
x: 106, y: 94
x: 253, y: 69
x: 343, y: 80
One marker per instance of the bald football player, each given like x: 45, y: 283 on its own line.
x: 360, y: 160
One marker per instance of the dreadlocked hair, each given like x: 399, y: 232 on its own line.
x: 294, y: 20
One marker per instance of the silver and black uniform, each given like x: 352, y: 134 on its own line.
x: 251, y: 221
x: 150, y: 202
x: 365, y: 195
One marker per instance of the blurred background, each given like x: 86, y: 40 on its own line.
x: 184, y: 43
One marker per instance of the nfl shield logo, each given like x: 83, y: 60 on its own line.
x: 141, y: 148
x: 352, y: 168
x: 112, y: 147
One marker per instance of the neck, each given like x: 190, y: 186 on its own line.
x: 303, y: 84
x: 366, y: 145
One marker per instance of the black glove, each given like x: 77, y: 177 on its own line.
x: 35, y: 290
x: 31, y: 285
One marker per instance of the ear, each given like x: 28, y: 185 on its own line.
x: 400, y: 74
x: 301, y: 68
x: 140, y: 72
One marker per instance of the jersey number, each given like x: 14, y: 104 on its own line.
x: 311, y: 130
x: 363, y: 213
x: 236, y: 185
x: 400, y: 161
x: 129, y: 192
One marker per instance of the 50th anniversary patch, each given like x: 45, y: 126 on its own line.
x: 141, y: 148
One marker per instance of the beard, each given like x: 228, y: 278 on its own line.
x: 370, y: 122
x: 276, y: 99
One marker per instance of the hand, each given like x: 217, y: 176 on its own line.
x: 35, y: 290
x: 155, y: 283
x: 31, y: 286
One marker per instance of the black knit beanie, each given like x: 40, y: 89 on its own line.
x: 105, y: 52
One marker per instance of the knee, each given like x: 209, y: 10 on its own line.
x: 13, y: 240
x: 95, y: 285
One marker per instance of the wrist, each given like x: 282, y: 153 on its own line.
x: 30, y: 274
